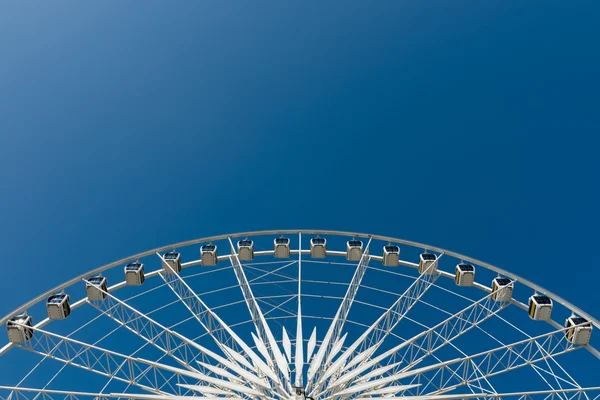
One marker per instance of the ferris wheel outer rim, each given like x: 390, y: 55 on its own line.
x: 595, y: 322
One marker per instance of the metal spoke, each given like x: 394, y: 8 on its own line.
x: 145, y: 327
x: 414, y: 350
x: 448, y: 375
x: 378, y: 331
x: 104, y: 362
x: 333, y: 334
x: 540, y: 371
x: 261, y: 326
x: 222, y: 334
x: 299, y: 356
x: 171, y: 343
x: 564, y: 394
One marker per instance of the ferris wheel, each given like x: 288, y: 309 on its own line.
x: 291, y: 314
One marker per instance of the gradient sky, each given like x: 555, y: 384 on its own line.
x: 468, y: 125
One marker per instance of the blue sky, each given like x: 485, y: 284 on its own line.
x: 470, y: 126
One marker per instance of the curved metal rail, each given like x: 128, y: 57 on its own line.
x: 474, y: 261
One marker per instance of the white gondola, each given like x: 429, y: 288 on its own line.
x: 502, y: 289
x: 354, y: 250
x: 580, y: 330
x: 540, y: 307
x: 58, y: 306
x: 96, y: 288
x: 134, y: 274
x: 427, y: 263
x: 245, y: 250
x: 318, y: 247
x: 172, y: 262
x: 282, y: 247
x: 465, y: 275
x: 209, y: 256
x: 19, y: 328
x: 391, y: 255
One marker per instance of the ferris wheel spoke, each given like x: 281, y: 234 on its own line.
x: 161, y: 397
x: 480, y: 381
x: 562, y: 394
x: 49, y: 394
x: 222, y: 334
x: 402, y: 306
x: 299, y: 356
x: 151, y: 376
x: 374, y: 335
x: 32, y: 370
x: 23, y: 393
x: 542, y: 372
x: 448, y: 375
x: 414, y: 350
x: 182, y: 349
x: 155, y: 378
x: 260, y: 324
x: 171, y: 343
x: 233, y: 388
x: 472, y: 369
x: 242, y: 376
x: 315, y: 369
x: 145, y: 328
x: 365, y: 387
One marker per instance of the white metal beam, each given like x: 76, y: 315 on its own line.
x: 568, y: 394
x: 145, y: 328
x: 217, y: 328
x: 262, y: 328
x: 412, y: 351
x: 151, y: 378
x: 312, y: 342
x: 333, y: 334
x: 217, y: 382
x: 448, y: 375
x: 378, y: 331
x: 287, y: 344
x: 299, y: 356
x: 182, y: 349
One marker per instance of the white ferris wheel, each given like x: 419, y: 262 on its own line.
x: 298, y: 315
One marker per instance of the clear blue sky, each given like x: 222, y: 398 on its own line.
x: 469, y: 125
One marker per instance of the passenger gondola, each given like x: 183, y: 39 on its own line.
x: 282, y: 247
x: 58, y: 306
x: 318, y: 247
x: 580, y: 330
x: 96, y: 288
x: 465, y: 275
x: 245, y: 250
x: 427, y: 263
x: 391, y: 255
x: 502, y: 289
x: 354, y: 250
x: 172, y: 262
x: 540, y: 307
x: 19, y: 328
x: 134, y: 274
x: 209, y: 256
